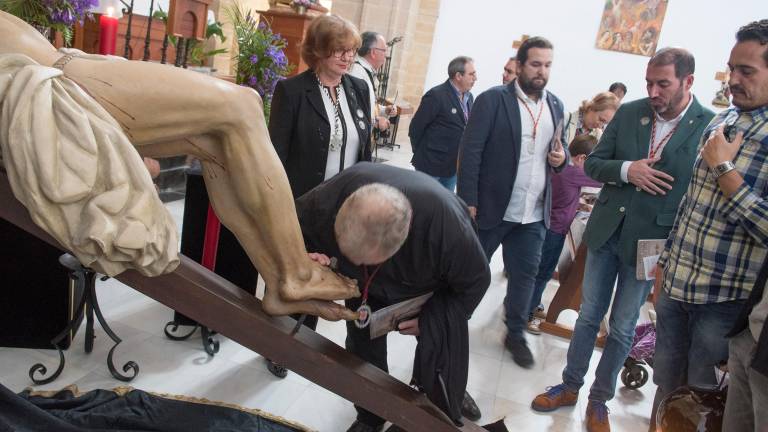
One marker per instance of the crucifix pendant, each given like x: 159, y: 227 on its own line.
x: 365, y: 316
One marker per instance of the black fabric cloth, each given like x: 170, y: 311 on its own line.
x: 436, y: 130
x: 490, y: 154
x: 441, y: 363
x: 441, y: 254
x: 105, y: 410
x: 300, y: 129
x: 760, y: 360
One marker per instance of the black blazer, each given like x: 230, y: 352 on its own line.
x: 300, y: 129
x: 436, y: 130
x: 760, y: 360
x: 490, y: 154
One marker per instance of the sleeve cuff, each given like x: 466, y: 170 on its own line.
x: 625, y: 171
x: 739, y: 204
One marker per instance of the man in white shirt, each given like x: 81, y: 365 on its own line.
x: 370, y: 58
x: 508, y: 153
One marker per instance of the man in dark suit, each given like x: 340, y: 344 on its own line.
x: 508, y: 151
x: 437, y: 126
x: 644, y: 159
x: 352, y: 217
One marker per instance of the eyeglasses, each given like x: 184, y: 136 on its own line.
x: 379, y: 49
x: 339, y: 54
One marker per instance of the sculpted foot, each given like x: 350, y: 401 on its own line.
x: 319, y: 283
x: 327, y: 310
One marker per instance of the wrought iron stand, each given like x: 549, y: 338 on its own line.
x: 210, y: 344
x: 87, y: 305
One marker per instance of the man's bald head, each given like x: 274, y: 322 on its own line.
x: 372, y: 223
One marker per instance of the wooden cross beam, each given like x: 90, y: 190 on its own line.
x: 218, y: 304
x: 516, y: 44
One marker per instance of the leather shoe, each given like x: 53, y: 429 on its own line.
x: 521, y: 354
x: 276, y: 369
x: 469, y: 408
x: 358, y: 426
x: 395, y: 428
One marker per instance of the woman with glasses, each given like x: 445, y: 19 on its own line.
x: 320, y: 122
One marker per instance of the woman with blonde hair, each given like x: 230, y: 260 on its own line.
x: 592, y: 116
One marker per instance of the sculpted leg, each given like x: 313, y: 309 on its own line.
x: 169, y: 111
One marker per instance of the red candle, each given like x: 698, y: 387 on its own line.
x: 107, y: 33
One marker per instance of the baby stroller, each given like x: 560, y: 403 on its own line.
x: 634, y: 374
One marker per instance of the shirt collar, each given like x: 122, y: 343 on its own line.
x: 364, y: 63
x: 521, y: 94
x: 455, y: 90
x: 679, y: 117
x: 757, y: 113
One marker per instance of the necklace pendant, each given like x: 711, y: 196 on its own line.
x: 364, y: 316
x: 335, y: 144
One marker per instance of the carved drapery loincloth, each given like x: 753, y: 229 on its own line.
x: 71, y: 165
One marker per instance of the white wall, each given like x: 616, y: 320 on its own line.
x: 485, y: 30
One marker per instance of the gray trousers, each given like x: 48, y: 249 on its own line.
x: 746, y: 408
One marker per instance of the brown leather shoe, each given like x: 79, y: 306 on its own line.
x: 554, y: 398
x: 597, y: 417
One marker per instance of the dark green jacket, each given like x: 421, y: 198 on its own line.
x: 645, y: 216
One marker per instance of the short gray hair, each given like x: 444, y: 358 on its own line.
x: 458, y: 65
x: 368, y: 41
x: 376, y: 217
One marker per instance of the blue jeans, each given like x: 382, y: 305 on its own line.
x: 690, y: 342
x: 602, y: 269
x: 521, y: 250
x: 447, y: 182
x: 550, y: 254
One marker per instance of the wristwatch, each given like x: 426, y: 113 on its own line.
x: 723, y: 168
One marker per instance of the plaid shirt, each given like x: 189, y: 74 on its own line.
x: 717, y: 244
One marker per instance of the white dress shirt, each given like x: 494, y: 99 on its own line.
x: 360, y: 69
x: 663, y: 127
x: 527, y: 202
x: 352, y: 150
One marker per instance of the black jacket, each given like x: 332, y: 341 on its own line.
x: 490, y: 153
x: 760, y: 360
x: 300, y: 129
x: 436, y: 130
x: 441, y: 254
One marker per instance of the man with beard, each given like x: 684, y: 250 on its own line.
x: 644, y: 159
x: 511, y: 144
x: 716, y: 248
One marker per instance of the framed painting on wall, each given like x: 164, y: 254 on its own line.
x: 631, y: 26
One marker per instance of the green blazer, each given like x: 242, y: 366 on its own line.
x: 645, y: 216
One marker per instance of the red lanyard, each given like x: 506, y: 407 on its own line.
x: 656, y: 147
x: 534, y: 120
x: 368, y: 281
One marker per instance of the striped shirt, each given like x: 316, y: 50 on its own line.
x: 717, y: 244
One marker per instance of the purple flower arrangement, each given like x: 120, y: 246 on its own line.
x: 261, y: 60
x: 304, y: 3
x: 59, y: 15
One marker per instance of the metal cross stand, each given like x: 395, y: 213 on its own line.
x: 87, y: 305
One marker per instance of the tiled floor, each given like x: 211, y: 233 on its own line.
x: 238, y: 375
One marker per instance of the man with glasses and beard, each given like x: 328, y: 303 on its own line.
x: 644, y: 159
x: 716, y: 249
x: 509, y: 149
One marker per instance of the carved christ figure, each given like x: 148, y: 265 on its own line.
x: 162, y: 111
